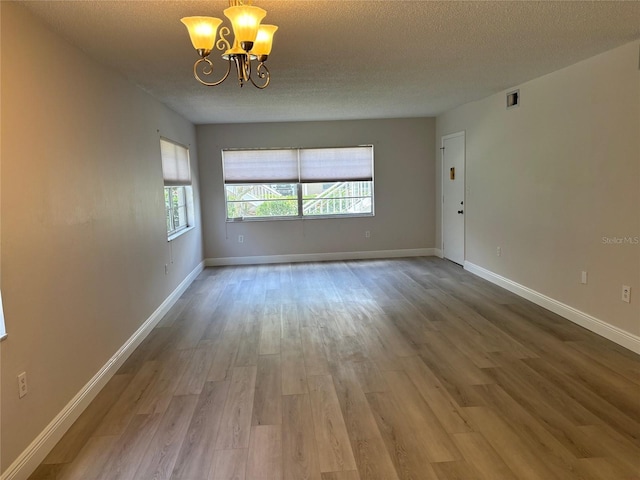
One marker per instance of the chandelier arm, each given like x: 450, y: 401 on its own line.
x: 223, y: 44
x: 208, y: 70
x: 263, y: 72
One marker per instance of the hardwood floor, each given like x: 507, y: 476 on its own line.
x: 360, y: 370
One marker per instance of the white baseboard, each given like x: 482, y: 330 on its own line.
x: 437, y: 253
x: 319, y: 257
x: 36, y: 452
x: 602, y: 328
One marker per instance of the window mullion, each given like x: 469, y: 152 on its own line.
x: 172, y: 210
x: 169, y: 209
x: 186, y: 209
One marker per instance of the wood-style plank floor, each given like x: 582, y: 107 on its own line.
x: 360, y: 370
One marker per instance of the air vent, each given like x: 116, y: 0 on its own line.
x: 513, y: 99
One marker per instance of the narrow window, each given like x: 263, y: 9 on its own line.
x: 3, y: 331
x: 178, y: 193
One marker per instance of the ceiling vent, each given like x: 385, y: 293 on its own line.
x: 513, y: 99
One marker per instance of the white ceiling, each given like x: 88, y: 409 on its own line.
x: 346, y: 59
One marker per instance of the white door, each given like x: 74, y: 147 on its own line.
x: 453, y: 197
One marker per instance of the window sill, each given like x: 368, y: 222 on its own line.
x: 173, y: 236
x: 306, y: 217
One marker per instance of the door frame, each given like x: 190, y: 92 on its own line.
x: 461, y: 133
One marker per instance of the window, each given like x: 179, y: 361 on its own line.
x: 175, y: 199
x: 178, y: 194
x: 3, y: 331
x: 296, y: 183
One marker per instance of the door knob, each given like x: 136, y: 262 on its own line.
x: 460, y: 211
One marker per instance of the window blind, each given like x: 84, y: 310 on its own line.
x: 259, y: 166
x: 354, y: 164
x: 305, y: 165
x: 175, y: 163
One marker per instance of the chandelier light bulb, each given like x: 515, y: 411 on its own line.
x: 264, y: 40
x: 202, y: 31
x: 245, y: 21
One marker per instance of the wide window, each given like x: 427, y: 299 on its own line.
x: 178, y: 194
x: 296, y: 183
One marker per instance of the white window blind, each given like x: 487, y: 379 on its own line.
x: 175, y: 163
x: 336, y: 164
x: 258, y: 166
x: 305, y: 165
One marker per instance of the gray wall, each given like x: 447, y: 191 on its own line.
x: 549, y: 179
x: 404, y: 189
x: 83, y: 225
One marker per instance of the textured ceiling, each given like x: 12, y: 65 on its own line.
x: 347, y: 59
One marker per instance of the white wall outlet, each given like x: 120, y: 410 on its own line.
x: 240, y: 238
x: 626, y: 293
x: 22, y: 384
x: 499, y: 251
x: 583, y: 278
x: 367, y: 234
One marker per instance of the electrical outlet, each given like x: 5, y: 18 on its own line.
x: 240, y: 238
x: 22, y: 384
x: 499, y: 251
x: 367, y: 234
x: 626, y: 293
x: 583, y: 278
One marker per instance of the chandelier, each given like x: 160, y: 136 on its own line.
x: 252, y: 42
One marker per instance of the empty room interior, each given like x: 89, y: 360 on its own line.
x: 319, y: 240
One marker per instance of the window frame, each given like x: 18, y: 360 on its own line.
x: 299, y: 185
x: 175, y: 232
